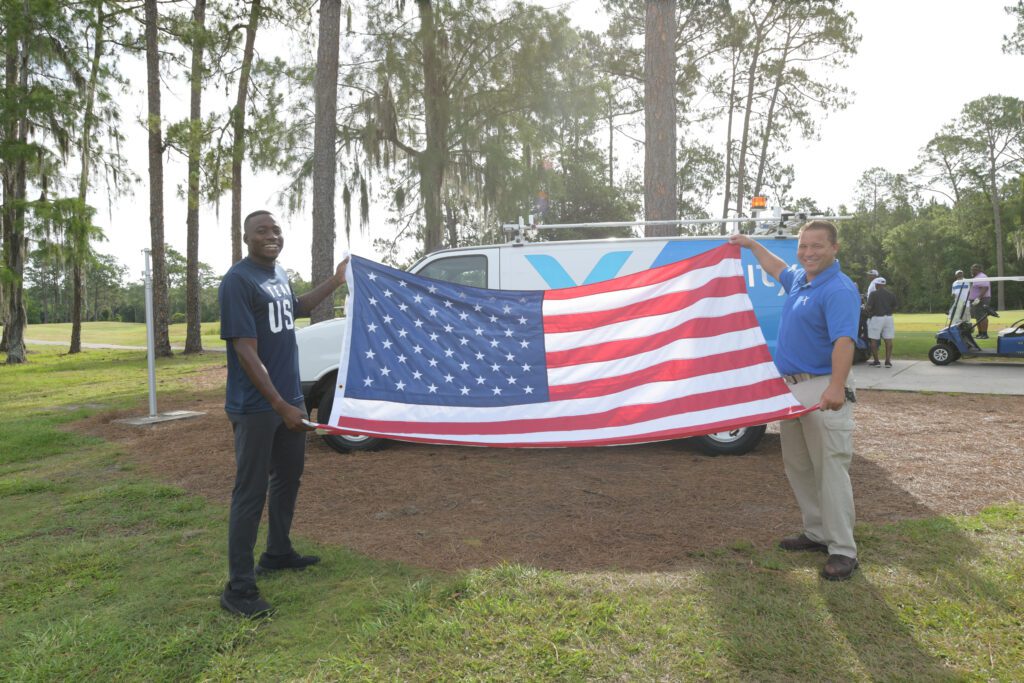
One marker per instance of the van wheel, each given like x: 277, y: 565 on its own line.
x: 733, y: 442
x: 343, y: 443
x: 943, y: 354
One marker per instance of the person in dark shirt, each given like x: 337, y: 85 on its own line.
x: 880, y: 306
x: 264, y: 403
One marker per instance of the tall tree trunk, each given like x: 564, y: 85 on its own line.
x: 193, y: 314
x: 728, y: 139
x: 10, y: 134
x: 238, y: 130
x: 762, y: 162
x: 156, y: 183
x: 435, y: 105
x: 17, y: 317
x: 325, y: 132
x: 997, y: 221
x: 660, y: 116
x: 80, y: 242
x: 741, y: 166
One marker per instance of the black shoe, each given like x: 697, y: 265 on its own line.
x: 981, y: 336
x: 839, y: 568
x: 247, y: 604
x: 272, y: 563
x: 801, y: 542
x: 874, y: 364
x: 888, y: 364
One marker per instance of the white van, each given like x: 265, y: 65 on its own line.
x: 549, y: 265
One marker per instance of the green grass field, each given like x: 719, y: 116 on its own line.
x: 915, y: 333
x: 109, y: 575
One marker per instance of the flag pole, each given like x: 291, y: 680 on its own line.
x: 150, y: 337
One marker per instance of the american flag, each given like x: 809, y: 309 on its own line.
x: 666, y: 353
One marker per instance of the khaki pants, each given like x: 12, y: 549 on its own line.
x: 816, y: 452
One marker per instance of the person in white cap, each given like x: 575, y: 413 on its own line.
x: 871, y: 285
x: 960, y: 312
x: 880, y: 307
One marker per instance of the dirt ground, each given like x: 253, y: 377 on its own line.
x: 630, y: 507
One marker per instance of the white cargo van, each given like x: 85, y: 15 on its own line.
x: 548, y: 265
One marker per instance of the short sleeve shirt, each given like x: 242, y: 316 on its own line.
x: 815, y: 315
x: 980, y: 288
x: 257, y: 302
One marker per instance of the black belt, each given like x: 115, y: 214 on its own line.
x: 800, y: 377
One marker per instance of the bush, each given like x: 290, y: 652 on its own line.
x: 178, y: 317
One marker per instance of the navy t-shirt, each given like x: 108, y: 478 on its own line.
x: 257, y: 302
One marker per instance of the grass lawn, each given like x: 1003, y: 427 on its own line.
x: 107, y: 575
x: 915, y: 333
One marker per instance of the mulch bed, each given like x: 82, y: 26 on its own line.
x: 639, y: 508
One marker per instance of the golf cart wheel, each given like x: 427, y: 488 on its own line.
x: 343, y: 443
x: 943, y: 354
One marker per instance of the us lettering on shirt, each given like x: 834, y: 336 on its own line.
x: 279, y: 311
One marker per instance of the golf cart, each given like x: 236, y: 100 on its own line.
x: 956, y: 340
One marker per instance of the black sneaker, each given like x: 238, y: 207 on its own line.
x: 981, y: 336
x: 247, y: 604
x: 272, y: 563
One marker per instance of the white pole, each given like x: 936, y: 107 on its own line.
x: 150, y: 338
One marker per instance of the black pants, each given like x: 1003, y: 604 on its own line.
x: 267, y: 456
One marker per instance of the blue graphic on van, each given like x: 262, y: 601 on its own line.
x: 608, y: 266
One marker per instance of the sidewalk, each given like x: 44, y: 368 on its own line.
x: 963, y: 376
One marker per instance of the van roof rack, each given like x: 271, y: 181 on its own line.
x: 769, y: 222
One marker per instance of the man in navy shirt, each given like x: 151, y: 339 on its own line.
x: 814, y: 353
x: 265, y: 406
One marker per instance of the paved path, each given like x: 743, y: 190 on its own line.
x: 963, y: 376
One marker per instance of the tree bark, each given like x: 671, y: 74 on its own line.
x: 660, y: 116
x: 728, y: 140
x: 741, y: 166
x: 193, y: 314
x: 997, y: 221
x: 435, y: 105
x: 14, y: 242
x: 80, y: 236
x: 325, y: 132
x: 156, y: 183
x: 238, y: 130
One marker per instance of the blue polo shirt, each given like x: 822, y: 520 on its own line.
x: 257, y: 302
x: 814, y: 315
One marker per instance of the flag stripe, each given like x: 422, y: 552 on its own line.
x: 648, y: 277
x: 668, y: 303
x: 706, y: 308
x: 622, y: 348
x: 670, y: 371
x: 572, y: 440
x: 614, y: 417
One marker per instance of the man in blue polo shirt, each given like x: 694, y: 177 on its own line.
x: 265, y: 406
x: 814, y: 353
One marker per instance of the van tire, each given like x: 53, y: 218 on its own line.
x: 340, y: 443
x: 734, y: 442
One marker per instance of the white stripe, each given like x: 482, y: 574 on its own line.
x: 681, y: 349
x: 655, y: 392
x: 689, y: 420
x: 603, y: 301
x: 708, y: 307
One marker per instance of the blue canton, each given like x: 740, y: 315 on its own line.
x: 422, y: 341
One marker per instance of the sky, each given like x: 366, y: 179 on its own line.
x: 918, y: 63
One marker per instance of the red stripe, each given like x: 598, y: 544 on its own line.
x: 623, y: 348
x: 650, y: 276
x: 615, y: 417
x: 668, y: 371
x: 574, y: 322
x: 662, y: 435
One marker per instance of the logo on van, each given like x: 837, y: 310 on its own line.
x: 555, y: 275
